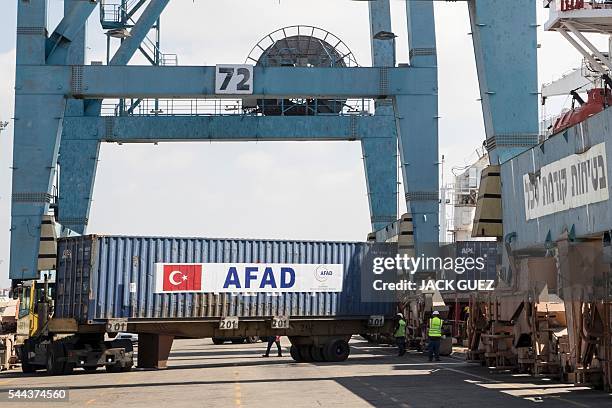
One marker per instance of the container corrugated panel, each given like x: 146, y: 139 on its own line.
x: 487, y: 250
x: 95, y: 272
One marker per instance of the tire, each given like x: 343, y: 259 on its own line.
x: 68, y: 367
x: 22, y: 353
x: 305, y: 353
x: 218, y: 341
x: 55, y: 351
x: 295, y: 354
x: 90, y: 369
x: 252, y: 339
x: 27, y: 368
x: 337, y: 350
x: 316, y: 354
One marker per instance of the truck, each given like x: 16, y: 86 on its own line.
x: 59, y: 345
x: 162, y: 288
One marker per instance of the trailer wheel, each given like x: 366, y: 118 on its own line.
x: 305, y: 353
x: 55, y: 351
x: 295, y: 354
x: 316, y: 354
x: 337, y: 350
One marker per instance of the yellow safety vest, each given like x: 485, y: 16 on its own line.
x: 401, y: 329
x: 435, y: 327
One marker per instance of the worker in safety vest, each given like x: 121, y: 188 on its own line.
x: 400, y: 334
x: 434, y: 333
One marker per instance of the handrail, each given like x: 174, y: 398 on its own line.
x: 221, y: 107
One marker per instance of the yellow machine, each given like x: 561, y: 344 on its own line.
x: 28, y: 322
x: 57, y: 345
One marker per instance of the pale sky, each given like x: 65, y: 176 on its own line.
x: 303, y: 190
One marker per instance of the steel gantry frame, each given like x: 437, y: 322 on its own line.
x: 58, y: 103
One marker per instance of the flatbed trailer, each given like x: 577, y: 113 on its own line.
x: 107, y: 285
x: 69, y: 345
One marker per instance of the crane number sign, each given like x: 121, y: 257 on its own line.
x: 234, y: 79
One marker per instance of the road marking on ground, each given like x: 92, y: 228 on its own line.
x: 571, y: 402
x: 237, y: 390
x: 470, y: 374
x: 384, y: 394
x: 512, y: 386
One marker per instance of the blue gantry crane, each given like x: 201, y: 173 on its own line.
x: 300, y: 86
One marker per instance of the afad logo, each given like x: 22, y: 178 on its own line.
x: 182, y: 278
x: 323, y: 273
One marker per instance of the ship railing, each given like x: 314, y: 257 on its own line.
x: 600, y: 4
x: 572, y: 5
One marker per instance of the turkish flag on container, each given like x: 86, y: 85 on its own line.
x: 182, y: 278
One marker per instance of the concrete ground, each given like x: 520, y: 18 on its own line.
x: 201, y: 374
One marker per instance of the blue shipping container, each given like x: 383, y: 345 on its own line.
x: 488, y: 250
x: 103, y: 277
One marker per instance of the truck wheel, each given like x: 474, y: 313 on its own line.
x: 337, y: 350
x: 316, y: 354
x: 55, y: 351
x: 295, y: 354
x: 218, y: 341
x: 305, y: 353
x: 68, y: 367
x: 27, y: 368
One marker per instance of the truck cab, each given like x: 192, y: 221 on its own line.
x: 57, y: 345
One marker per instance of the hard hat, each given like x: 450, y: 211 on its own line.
x: 436, y: 313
